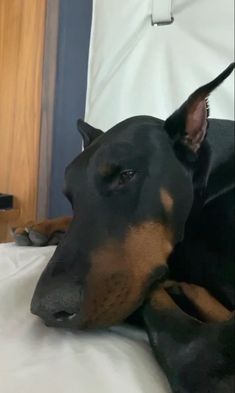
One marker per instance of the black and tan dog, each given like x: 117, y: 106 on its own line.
x: 153, y: 231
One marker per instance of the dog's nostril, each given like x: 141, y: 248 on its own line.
x: 63, y: 315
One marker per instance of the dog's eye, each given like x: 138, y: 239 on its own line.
x: 116, y: 180
x: 125, y: 177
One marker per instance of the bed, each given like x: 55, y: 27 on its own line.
x: 135, y: 67
x: 35, y: 359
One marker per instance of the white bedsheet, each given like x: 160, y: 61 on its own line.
x: 37, y: 359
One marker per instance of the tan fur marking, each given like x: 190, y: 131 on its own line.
x: 209, y: 308
x: 48, y: 227
x: 161, y: 300
x: 166, y: 200
x: 21, y: 230
x: 147, y: 246
x: 45, y: 227
x: 106, y: 169
x: 119, y: 273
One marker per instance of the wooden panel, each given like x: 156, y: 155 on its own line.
x: 48, y: 97
x: 6, y: 219
x: 21, y: 57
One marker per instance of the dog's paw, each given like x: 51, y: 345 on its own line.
x: 35, y: 236
x: 20, y: 236
x: 47, y: 232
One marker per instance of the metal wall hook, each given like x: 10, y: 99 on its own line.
x: 163, y: 23
x: 162, y: 12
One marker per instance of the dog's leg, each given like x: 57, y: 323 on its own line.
x: 197, y: 357
x: 208, y: 307
x: 47, y: 232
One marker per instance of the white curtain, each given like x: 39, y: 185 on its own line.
x: 137, y: 68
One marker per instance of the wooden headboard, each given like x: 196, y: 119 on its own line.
x: 22, y: 26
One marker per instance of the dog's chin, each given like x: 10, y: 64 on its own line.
x: 107, y: 318
x: 112, y: 314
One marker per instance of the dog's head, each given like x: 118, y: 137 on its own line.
x: 131, y: 190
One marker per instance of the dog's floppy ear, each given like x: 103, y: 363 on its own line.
x: 88, y: 133
x: 188, y: 125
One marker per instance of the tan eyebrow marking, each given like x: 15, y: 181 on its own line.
x: 107, y: 169
x: 166, y: 200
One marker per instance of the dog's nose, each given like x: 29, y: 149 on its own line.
x: 58, y: 306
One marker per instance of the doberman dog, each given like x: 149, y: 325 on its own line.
x: 152, y: 235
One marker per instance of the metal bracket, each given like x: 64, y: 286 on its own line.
x: 162, y: 12
x: 163, y: 23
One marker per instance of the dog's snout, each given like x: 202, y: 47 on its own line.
x: 58, y: 306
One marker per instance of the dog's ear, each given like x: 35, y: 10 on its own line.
x: 88, y: 133
x: 188, y: 125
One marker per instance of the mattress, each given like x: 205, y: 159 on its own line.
x: 37, y: 359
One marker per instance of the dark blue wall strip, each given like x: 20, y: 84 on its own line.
x: 72, y: 60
